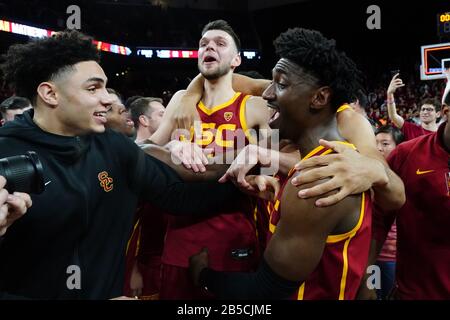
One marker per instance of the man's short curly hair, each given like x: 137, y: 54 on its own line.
x: 319, y: 57
x: 27, y: 65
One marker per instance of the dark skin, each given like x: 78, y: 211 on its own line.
x: 306, y: 116
x: 119, y: 118
x: 303, y: 228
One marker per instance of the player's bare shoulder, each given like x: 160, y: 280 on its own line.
x: 257, y: 112
x: 175, y: 100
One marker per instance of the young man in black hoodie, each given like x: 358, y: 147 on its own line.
x: 71, y: 244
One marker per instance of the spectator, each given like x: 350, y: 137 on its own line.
x: 13, y: 106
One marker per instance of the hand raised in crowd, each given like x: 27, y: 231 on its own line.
x: 395, y: 83
x: 12, y: 206
x: 350, y: 172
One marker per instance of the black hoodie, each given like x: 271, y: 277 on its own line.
x: 84, y: 216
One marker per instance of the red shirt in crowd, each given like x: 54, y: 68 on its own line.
x: 411, y: 130
x: 423, y: 223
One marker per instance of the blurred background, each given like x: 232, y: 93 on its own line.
x: 149, y: 29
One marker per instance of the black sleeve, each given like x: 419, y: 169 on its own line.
x: 262, y: 284
x: 159, y: 184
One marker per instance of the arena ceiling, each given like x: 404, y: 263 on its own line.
x: 250, y: 5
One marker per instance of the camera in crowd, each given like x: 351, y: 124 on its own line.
x: 23, y: 173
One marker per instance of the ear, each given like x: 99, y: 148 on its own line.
x: 321, y: 98
x: 445, y: 111
x: 236, y: 62
x: 47, y: 92
x: 143, y: 120
x: 438, y: 114
x: 2, y: 121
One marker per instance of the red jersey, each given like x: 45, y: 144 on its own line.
x: 230, y: 237
x: 223, y: 127
x: 423, y: 223
x: 263, y: 208
x: 262, y: 212
x: 344, y: 258
x: 411, y: 130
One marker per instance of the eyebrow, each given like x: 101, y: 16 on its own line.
x: 214, y: 38
x: 96, y: 79
x: 279, y: 70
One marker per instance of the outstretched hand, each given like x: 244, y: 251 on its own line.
x: 189, y: 154
x: 247, y: 158
x: 265, y: 187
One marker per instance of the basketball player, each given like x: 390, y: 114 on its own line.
x: 314, y: 253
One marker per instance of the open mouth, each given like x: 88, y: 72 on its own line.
x: 274, y: 107
x: 274, y: 116
x: 100, y: 116
x: 209, y: 59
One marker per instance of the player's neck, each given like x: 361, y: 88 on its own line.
x: 218, y: 91
x: 142, y: 134
x: 310, y: 136
x: 431, y: 126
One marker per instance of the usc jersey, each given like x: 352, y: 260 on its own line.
x: 230, y: 236
x: 223, y: 127
x: 344, y: 259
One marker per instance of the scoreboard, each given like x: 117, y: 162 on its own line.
x: 443, y: 25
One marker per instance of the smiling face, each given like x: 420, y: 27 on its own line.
x: 118, y: 118
x: 217, y: 54
x: 291, y: 93
x: 82, y: 100
x: 428, y: 113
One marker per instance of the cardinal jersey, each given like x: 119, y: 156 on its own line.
x: 223, y: 127
x: 230, y: 237
x: 344, y: 259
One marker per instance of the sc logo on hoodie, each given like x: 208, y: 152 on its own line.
x: 105, y: 181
